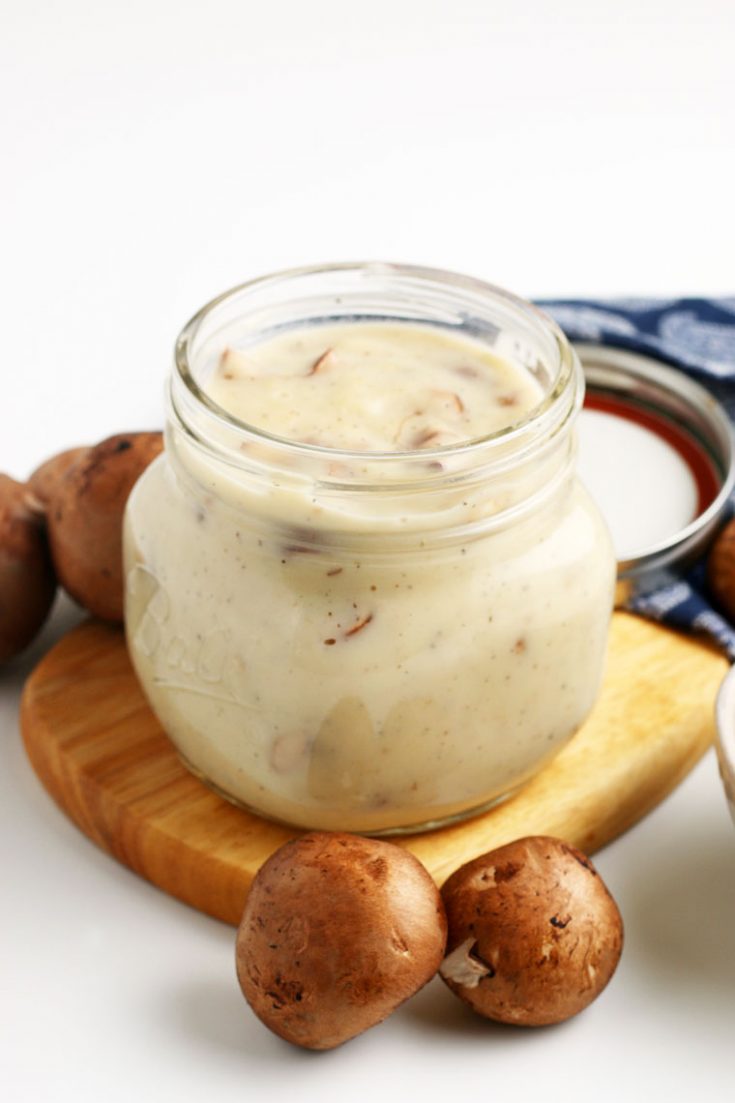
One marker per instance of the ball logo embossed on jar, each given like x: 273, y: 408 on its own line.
x: 205, y: 662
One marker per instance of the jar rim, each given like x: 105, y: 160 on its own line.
x: 185, y: 390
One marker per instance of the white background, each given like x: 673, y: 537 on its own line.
x: 152, y: 154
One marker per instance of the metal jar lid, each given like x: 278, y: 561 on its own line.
x: 657, y: 452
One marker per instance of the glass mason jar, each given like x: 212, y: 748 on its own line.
x: 364, y: 641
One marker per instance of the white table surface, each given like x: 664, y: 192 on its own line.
x: 155, y: 153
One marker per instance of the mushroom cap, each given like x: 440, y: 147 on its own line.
x: 534, y: 934
x: 27, y: 581
x: 721, y: 570
x: 337, y: 931
x: 85, y: 516
x: 43, y: 481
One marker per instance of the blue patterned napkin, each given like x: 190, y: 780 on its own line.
x: 698, y: 336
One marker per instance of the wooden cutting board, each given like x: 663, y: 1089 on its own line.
x: 103, y: 757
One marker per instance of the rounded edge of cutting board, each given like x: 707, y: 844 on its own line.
x: 103, y: 757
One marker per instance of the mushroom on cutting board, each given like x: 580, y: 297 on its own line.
x: 85, y: 506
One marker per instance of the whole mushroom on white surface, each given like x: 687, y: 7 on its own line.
x: 337, y: 932
x: 534, y: 934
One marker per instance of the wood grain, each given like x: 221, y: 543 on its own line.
x: 103, y: 757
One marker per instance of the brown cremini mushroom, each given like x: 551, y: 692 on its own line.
x: 85, y: 511
x: 721, y: 570
x: 27, y: 582
x: 44, y: 480
x: 337, y: 931
x: 534, y: 935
